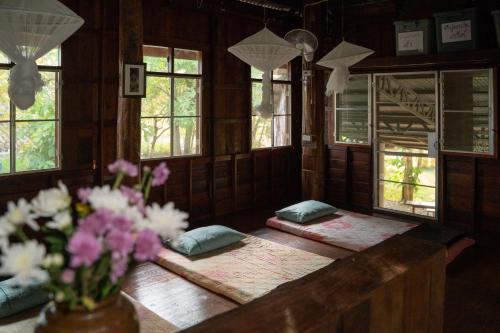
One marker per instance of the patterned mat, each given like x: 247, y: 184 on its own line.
x: 245, y: 270
x: 345, y: 229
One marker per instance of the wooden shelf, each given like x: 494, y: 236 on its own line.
x: 428, y: 62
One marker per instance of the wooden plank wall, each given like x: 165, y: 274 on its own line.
x: 469, y: 195
x: 228, y: 176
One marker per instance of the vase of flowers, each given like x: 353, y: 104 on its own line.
x: 84, y: 250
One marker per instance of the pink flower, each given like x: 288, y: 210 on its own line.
x: 134, y: 197
x: 68, y: 276
x: 84, y: 193
x: 119, y: 265
x: 120, y: 242
x: 97, y: 223
x: 84, y: 249
x: 160, y: 174
x: 121, y: 223
x: 125, y: 167
x: 147, y: 245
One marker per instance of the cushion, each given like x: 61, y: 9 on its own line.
x: 15, y: 299
x: 305, y: 211
x: 205, y: 239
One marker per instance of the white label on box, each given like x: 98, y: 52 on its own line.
x: 456, y: 31
x: 411, y: 41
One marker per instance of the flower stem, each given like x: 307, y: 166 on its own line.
x: 148, y: 188
x: 20, y: 233
x: 118, y: 180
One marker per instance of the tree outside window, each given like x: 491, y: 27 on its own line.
x: 171, y: 111
x: 29, y: 139
x: 274, y: 131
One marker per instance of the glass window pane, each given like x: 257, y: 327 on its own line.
x: 392, y: 197
x: 261, y: 132
x: 282, y: 99
x: 467, y: 113
x: 4, y: 96
x: 155, y: 137
x: 186, y: 136
x: 282, y: 73
x: 256, y: 96
x: 255, y: 73
x: 405, y: 168
x: 4, y: 59
x: 36, y: 145
x: 282, y: 130
x: 53, y: 58
x: 4, y: 148
x: 157, y: 59
x: 187, y: 61
x: 157, y: 101
x: 187, y: 97
x: 351, y: 112
x: 45, y: 102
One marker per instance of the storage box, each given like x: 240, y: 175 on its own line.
x: 457, y: 30
x: 496, y: 15
x: 414, y: 37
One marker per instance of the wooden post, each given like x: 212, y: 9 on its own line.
x: 129, y: 109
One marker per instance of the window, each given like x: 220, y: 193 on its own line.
x: 467, y: 111
x: 274, y: 131
x: 352, y: 111
x: 29, y: 139
x: 171, y: 111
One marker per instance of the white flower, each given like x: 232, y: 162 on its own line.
x: 18, y: 215
x: 53, y: 260
x: 60, y: 221
x: 166, y: 221
x: 6, y: 229
x: 23, y: 260
x: 105, y: 197
x: 50, y: 202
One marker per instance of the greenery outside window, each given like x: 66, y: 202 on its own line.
x: 171, y: 111
x: 352, y: 110
x: 275, y: 131
x: 30, y: 139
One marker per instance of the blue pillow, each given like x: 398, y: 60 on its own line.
x: 205, y: 239
x: 15, y: 299
x: 305, y: 211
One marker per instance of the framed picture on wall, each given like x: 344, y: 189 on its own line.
x: 134, y: 80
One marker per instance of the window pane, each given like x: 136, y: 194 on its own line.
x: 352, y: 112
x: 256, y: 96
x: 53, y: 58
x: 255, y: 73
x: 157, y: 101
x: 36, y: 145
x: 282, y: 130
x: 155, y: 137
x: 186, y: 136
x: 282, y: 99
x: 4, y: 148
x: 282, y: 73
x: 467, y: 111
x: 187, y: 97
x: 157, y: 59
x: 261, y: 132
x: 4, y: 59
x: 4, y: 96
x: 392, y: 197
x: 187, y: 61
x: 45, y: 102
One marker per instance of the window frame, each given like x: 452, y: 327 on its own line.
x: 288, y: 82
x: 370, y: 85
x: 172, y: 75
x: 492, y: 116
x: 57, y: 120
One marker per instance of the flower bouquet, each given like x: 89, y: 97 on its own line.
x: 86, y: 248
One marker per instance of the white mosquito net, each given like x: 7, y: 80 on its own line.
x: 265, y: 51
x: 340, y: 59
x: 28, y: 30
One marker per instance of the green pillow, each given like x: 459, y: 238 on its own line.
x: 305, y: 211
x: 201, y: 240
x: 15, y: 299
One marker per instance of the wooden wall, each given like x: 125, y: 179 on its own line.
x: 469, y: 195
x: 228, y: 176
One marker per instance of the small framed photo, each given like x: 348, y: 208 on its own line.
x: 134, y: 80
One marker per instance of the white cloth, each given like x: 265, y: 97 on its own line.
x: 29, y: 29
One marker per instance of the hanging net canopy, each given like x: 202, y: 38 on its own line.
x: 340, y: 59
x: 29, y: 29
x: 265, y: 51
